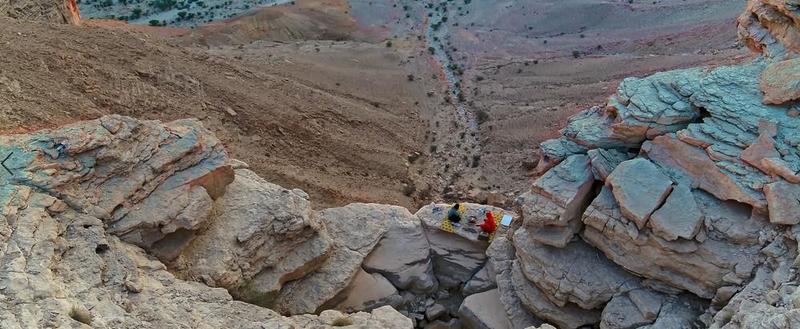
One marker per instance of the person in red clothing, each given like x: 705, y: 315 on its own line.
x: 489, y: 225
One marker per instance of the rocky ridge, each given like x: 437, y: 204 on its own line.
x: 674, y: 205
x: 122, y: 223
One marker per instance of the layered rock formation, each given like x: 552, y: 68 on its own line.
x: 78, y: 204
x: 674, y: 205
x: 123, y: 223
x: 59, y: 11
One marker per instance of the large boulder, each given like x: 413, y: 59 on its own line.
x: 356, y: 230
x: 538, y: 302
x: 640, y: 188
x: 483, y: 311
x: 457, y: 255
x: 553, y: 208
x: 260, y: 237
x: 403, y: 256
x: 695, y: 223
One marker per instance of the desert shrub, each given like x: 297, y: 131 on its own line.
x: 80, y: 315
x: 482, y: 116
x: 136, y: 13
x: 342, y: 322
x: 163, y: 4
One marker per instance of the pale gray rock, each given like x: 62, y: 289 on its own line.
x: 588, y: 279
x: 150, y: 182
x: 569, y: 185
x: 544, y: 219
x: 536, y: 301
x: 309, y: 293
x: 404, y: 257
x: 501, y: 258
x: 640, y: 188
x: 647, y: 302
x: 434, y: 312
x: 481, y: 281
x: 678, y: 312
x: 355, y: 229
x: 735, y: 236
x: 622, y: 313
x: 553, y: 151
x: 483, y: 311
x: 62, y: 270
x: 261, y: 236
x: 679, y: 217
x: 365, y: 293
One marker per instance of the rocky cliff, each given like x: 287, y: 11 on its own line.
x: 92, y: 212
x: 675, y: 205
x: 121, y: 223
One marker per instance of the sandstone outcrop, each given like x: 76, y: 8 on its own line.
x: 110, y: 221
x: 71, y: 248
x: 672, y: 206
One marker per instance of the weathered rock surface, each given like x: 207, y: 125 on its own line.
x: 483, y: 311
x: 501, y: 259
x: 780, y: 82
x: 784, y: 202
x: 456, y: 257
x: 367, y: 292
x: 79, y: 202
x: 640, y: 188
x: 770, y: 27
x: 355, y: 229
x: 696, y: 230
x: 588, y: 279
x: 678, y: 217
x: 482, y: 281
x: 262, y: 236
x: 61, y: 11
x: 404, y: 257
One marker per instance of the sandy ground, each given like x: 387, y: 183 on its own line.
x: 339, y: 122
x: 357, y: 118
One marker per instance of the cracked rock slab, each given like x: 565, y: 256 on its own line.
x: 640, y: 188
